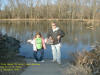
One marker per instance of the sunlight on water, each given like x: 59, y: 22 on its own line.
x: 78, y: 35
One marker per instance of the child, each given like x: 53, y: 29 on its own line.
x: 38, y: 46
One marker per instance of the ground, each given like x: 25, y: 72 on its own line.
x: 45, y: 68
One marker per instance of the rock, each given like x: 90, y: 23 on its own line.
x: 9, y: 47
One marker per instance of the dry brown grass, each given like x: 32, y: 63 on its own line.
x: 77, y: 70
x: 85, y: 62
x: 89, y: 59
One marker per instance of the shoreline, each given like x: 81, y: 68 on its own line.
x: 31, y: 19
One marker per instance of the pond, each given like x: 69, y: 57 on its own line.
x: 78, y: 35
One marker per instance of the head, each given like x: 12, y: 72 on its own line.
x: 53, y: 25
x: 38, y: 35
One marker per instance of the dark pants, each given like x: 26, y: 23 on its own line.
x: 38, y: 55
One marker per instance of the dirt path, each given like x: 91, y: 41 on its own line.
x: 46, y: 68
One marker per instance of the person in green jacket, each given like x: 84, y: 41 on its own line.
x: 38, y: 47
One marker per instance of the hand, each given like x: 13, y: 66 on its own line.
x: 50, y: 37
x: 29, y: 40
x: 58, y: 37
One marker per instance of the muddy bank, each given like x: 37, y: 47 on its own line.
x: 9, y: 58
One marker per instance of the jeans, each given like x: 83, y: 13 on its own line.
x: 56, y: 52
x: 38, y: 55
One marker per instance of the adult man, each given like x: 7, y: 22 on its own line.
x: 55, y: 33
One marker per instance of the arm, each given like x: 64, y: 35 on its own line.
x: 43, y: 42
x: 30, y: 41
x: 61, y: 33
x: 34, y: 45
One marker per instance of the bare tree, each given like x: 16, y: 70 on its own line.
x: 72, y: 9
x: 31, y: 7
x: 12, y: 6
x: 0, y: 5
x: 94, y: 8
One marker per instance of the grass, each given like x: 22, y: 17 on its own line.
x: 77, y: 70
x: 85, y: 62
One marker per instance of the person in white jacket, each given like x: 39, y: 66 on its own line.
x: 55, y: 33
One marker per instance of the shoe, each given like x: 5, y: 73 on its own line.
x: 42, y: 61
x: 35, y: 61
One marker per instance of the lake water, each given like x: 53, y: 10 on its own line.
x: 78, y: 35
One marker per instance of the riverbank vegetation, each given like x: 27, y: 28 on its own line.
x: 50, y: 9
x: 85, y: 63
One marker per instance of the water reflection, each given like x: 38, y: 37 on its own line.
x: 79, y: 35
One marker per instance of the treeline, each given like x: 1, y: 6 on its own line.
x: 43, y: 9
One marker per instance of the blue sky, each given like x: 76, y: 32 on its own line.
x: 3, y: 2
